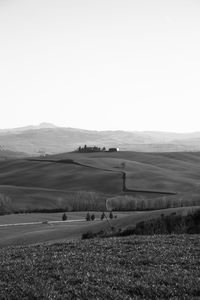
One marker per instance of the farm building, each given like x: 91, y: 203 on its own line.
x: 113, y: 149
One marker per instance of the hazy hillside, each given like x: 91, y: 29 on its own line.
x: 47, y: 138
x: 29, y: 127
x: 8, y: 154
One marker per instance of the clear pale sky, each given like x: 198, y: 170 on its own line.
x: 106, y: 64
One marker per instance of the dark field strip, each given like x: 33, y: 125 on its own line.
x: 142, y: 267
x: 149, y: 192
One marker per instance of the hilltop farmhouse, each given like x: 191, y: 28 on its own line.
x: 113, y: 149
x: 89, y: 149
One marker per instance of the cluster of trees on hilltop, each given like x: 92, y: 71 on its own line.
x: 90, y: 149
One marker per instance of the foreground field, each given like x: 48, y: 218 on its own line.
x: 142, y: 267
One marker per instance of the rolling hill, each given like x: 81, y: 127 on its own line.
x: 55, y: 181
x: 173, y: 172
x: 6, y: 154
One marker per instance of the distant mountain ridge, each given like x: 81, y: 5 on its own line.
x: 30, y: 127
x: 50, y: 139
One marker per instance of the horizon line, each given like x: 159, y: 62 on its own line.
x: 52, y: 125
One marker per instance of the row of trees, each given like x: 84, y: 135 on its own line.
x: 91, y: 217
x: 84, y: 201
x: 132, y: 203
x: 170, y: 224
x: 69, y: 201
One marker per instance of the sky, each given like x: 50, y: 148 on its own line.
x: 101, y: 64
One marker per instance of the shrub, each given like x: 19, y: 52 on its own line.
x: 88, y: 235
x: 127, y: 231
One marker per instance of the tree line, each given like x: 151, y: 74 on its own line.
x: 171, y: 224
x: 132, y: 203
x: 88, y: 149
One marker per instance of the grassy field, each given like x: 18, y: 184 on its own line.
x: 57, y: 176
x: 42, y: 184
x: 54, y: 232
x: 176, y: 172
x: 147, y: 267
x: 41, y: 217
x: 21, y: 199
x: 132, y: 219
x: 40, y: 233
x: 47, y: 231
x: 157, y: 171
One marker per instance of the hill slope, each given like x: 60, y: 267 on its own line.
x: 178, y: 172
x: 48, y: 182
x: 6, y: 154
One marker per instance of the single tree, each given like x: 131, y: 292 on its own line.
x: 92, y: 217
x: 111, y: 215
x: 88, y: 217
x: 103, y: 215
x: 64, y: 217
